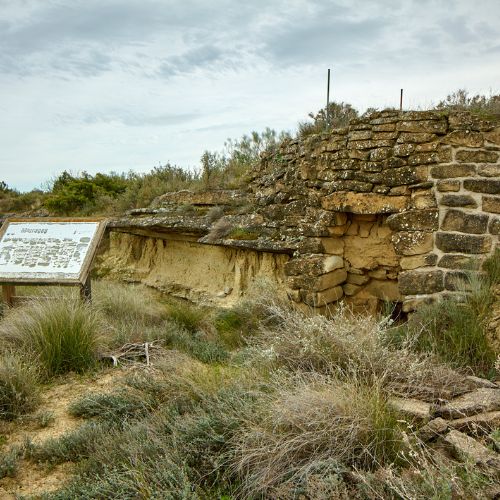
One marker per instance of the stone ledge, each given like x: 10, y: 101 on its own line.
x: 364, y: 203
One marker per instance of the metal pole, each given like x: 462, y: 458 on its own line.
x: 328, y: 101
x: 401, y: 101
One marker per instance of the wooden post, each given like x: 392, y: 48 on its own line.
x: 8, y: 294
x: 86, y: 290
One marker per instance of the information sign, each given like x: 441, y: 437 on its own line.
x: 50, y: 251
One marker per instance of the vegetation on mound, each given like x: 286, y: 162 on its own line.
x: 257, y: 401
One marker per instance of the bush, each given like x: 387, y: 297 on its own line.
x: 71, y: 447
x: 61, y: 335
x: 18, y: 387
x: 195, y: 343
x: 116, y: 407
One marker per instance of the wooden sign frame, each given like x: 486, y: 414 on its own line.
x: 83, y: 280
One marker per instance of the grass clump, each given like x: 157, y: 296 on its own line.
x: 18, y: 387
x: 187, y: 316
x: 61, y: 335
x: 455, y: 330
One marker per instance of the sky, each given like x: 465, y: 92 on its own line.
x: 106, y: 85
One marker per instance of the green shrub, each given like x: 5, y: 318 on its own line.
x: 18, y: 387
x: 234, y: 325
x: 61, y: 334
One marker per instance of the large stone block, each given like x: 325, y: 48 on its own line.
x: 423, y: 158
x: 369, y: 253
x: 457, y: 261
x: 406, y: 137
x: 356, y: 186
x: 456, y: 220
x: 414, y: 220
x: 476, y: 156
x: 486, y: 186
x: 416, y: 261
x: 423, y: 126
x: 458, y: 200
x: 412, y: 242
x: 454, y: 170
x: 467, y: 138
x: 463, y: 243
x: 423, y: 199
x: 493, y: 136
x: 491, y: 204
x: 383, y: 289
x: 489, y: 170
x: 402, y: 176
x: 405, y: 149
x: 421, y: 282
x: 334, y: 246
x: 494, y: 227
x: 445, y: 186
x: 314, y: 265
x: 328, y: 296
x: 318, y: 283
x: 364, y: 203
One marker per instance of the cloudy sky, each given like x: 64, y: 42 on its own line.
x: 101, y: 85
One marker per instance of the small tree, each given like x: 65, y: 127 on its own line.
x: 339, y: 115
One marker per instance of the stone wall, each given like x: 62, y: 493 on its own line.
x: 395, y: 208
x: 437, y: 174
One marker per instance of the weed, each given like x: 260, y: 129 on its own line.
x: 44, y: 419
x: 196, y: 344
x: 18, y: 387
x: 314, y: 421
x: 9, y: 463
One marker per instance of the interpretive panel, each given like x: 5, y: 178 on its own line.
x: 40, y: 251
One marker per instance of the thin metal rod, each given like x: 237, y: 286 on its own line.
x: 401, y: 101
x: 328, y: 100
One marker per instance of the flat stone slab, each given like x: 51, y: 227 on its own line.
x: 478, y: 401
x: 478, y: 424
x: 433, y: 429
x: 411, y: 408
x: 465, y: 448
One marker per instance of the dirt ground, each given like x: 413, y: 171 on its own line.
x: 32, y: 479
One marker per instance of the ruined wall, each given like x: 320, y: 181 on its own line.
x: 394, y: 207
x: 436, y: 173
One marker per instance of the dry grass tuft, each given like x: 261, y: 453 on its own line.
x: 313, y: 422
